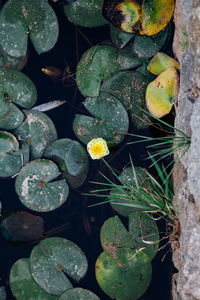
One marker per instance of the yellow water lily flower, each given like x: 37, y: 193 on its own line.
x: 97, y: 148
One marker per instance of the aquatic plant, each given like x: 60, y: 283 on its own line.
x: 141, y: 191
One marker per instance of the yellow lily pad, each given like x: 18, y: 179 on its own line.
x: 124, y: 14
x: 161, y: 92
x: 160, y: 62
x: 156, y: 14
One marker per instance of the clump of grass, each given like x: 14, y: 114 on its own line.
x: 173, y: 145
x: 154, y: 198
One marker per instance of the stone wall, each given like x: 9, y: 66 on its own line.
x: 186, y: 253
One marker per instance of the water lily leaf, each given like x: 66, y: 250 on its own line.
x: 110, y: 122
x: 22, y: 284
x: 15, y: 88
x: 18, y: 19
x: 71, y: 158
x: 145, y: 233
x: 38, y: 131
x: 126, y: 60
x: 144, y: 70
x: 160, y: 62
x: 126, y: 277
x: 162, y: 92
x: 119, y: 37
x: 129, y: 88
x: 145, y: 47
x: 85, y: 13
x: 119, y: 196
x: 114, y: 236
x: 156, y: 14
x: 52, y: 259
x: 7, y: 61
x: 96, y: 64
x: 21, y: 226
x: 36, y: 188
x: 122, y: 14
x: 2, y: 293
x: 10, y: 156
x: 78, y: 294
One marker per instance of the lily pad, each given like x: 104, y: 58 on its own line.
x: 126, y: 277
x: 143, y: 69
x: 143, y: 233
x: 37, y: 188
x: 15, y: 88
x: 78, y: 294
x: 7, y: 61
x: 110, y: 121
x: 156, y: 14
x: 85, y: 13
x: 126, y: 60
x: 38, y: 131
x: 10, y: 156
x: 22, y: 284
x: 21, y: 226
x: 52, y: 259
x: 124, y: 14
x: 24, y: 17
x: 96, y: 64
x: 162, y: 92
x: 145, y: 47
x: 119, y: 196
x: 129, y: 88
x: 71, y: 158
x: 160, y: 62
x: 2, y: 293
x: 119, y: 37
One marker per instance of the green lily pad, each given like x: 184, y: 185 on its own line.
x: 21, y: 226
x: 119, y: 37
x: 96, y: 64
x: 110, y: 122
x: 52, y: 259
x: 38, y: 131
x: 114, y: 236
x: 7, y: 61
x: 71, y: 158
x: 36, y: 188
x: 2, y: 293
x: 126, y: 60
x: 143, y: 69
x: 129, y: 87
x: 18, y: 19
x: 145, y: 233
x: 10, y: 156
x: 85, y: 13
x: 119, y: 196
x: 126, y: 277
x: 22, y: 284
x: 15, y: 88
x: 145, y: 47
x: 78, y: 294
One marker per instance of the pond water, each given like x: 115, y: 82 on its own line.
x: 74, y: 220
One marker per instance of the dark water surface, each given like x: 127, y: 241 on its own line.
x: 81, y: 224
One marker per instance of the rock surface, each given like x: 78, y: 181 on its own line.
x: 186, y: 255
